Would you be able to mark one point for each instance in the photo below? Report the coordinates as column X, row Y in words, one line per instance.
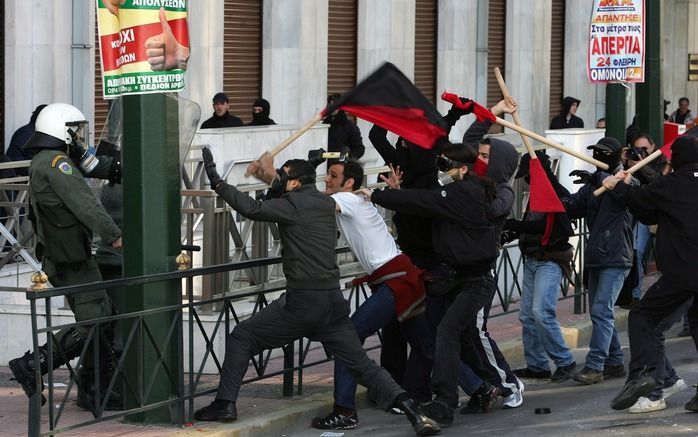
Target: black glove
column 459, row 112
column 507, row 236
column 583, row 175
column 210, row 168
column 315, row 157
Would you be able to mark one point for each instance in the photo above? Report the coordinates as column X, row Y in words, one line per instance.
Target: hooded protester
column 343, row 136
column 567, row 118
column 670, row 203
column 260, row 113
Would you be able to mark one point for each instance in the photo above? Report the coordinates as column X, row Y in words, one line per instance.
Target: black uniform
column 226, row 120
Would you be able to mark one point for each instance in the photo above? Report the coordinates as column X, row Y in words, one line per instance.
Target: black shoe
column 441, row 413
column 692, row 405
column 336, row 420
column 563, row 373
column 617, row 371
column 218, row 410
column 528, row 373
column 482, row 400
column 588, row 376
column 23, row 371
column 421, row 423
column 632, row 391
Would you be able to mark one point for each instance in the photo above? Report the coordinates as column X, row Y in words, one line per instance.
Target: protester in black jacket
column 260, row 113
column 343, row 135
column 463, row 237
column 607, row 262
column 313, row 305
column 670, row 203
column 566, row 118
column 221, row 117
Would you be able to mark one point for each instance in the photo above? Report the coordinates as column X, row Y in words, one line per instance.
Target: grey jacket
column 307, row 228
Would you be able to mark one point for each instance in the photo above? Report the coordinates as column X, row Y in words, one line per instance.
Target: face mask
column 610, row 159
column 480, row 167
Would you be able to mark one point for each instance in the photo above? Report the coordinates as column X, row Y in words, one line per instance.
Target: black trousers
column 659, row 302
column 320, row 315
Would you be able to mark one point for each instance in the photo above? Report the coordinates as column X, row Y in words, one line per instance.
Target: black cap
column 220, row 97
column 607, row 144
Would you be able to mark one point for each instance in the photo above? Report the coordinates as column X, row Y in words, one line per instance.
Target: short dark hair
column 300, row 169
column 460, row 152
column 352, row 169
column 684, row 99
column 640, row 136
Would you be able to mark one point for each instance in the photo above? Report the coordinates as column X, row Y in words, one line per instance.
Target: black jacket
column 344, row 136
column 307, row 228
column 462, row 235
column 672, row 204
column 560, row 121
column 261, row 118
column 228, row 120
column 611, row 238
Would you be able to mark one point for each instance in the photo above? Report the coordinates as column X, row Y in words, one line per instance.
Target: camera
column 635, row 154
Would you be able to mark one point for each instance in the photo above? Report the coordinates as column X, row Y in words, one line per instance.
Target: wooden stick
column 599, row 191
column 551, row 143
column 275, row 151
column 515, row 114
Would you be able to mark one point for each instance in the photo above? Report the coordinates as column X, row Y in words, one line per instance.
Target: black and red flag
column 390, row 100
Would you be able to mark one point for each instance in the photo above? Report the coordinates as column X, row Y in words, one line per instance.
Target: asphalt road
column 576, row 410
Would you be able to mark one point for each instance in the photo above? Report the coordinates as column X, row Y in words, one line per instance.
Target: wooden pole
column 515, row 115
column 599, row 191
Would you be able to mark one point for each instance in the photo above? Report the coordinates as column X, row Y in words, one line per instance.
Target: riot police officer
column 65, row 214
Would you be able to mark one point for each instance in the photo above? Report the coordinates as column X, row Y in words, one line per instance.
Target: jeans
column 375, row 313
column 642, row 239
column 604, row 287
column 542, row 337
column 460, row 318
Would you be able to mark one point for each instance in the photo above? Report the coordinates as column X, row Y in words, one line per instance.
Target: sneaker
column 679, row 386
column 563, row 373
column 692, row 405
column 515, row 399
column 439, row 412
column 588, row 376
column 336, row 420
column 529, row 373
column 646, row 405
column 632, row 391
column 614, row 371
column 482, row 400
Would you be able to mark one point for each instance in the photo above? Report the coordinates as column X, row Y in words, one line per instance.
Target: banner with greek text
column 144, row 46
column 617, row 41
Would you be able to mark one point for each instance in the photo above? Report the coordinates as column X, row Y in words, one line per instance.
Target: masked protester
column 65, row 214
column 260, row 113
column 343, row 135
column 670, row 203
column 608, row 260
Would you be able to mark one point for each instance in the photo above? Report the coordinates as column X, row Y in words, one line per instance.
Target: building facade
column 295, row 52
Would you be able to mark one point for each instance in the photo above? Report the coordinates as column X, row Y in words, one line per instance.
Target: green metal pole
column 650, row 101
column 615, row 111
column 151, row 182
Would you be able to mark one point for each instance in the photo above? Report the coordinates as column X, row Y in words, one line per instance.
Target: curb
column 303, row 410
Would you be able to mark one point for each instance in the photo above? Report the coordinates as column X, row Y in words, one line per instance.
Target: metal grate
column 426, row 25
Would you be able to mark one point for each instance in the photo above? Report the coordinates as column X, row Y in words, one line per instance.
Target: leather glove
column 210, row 167
column 315, row 157
column 583, row 175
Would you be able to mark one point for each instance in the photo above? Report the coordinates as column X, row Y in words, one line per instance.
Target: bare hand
column 164, row 51
column 366, row 193
column 117, row 244
column 505, row 106
column 113, row 6
column 395, row 179
column 262, row 168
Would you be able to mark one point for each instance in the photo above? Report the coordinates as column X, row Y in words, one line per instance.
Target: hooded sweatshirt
column 560, row 121
column 261, row 118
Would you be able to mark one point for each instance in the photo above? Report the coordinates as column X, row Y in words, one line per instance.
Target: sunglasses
column 445, row 164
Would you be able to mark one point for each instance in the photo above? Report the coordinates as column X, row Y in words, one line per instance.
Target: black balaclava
column 684, row 151
column 261, row 118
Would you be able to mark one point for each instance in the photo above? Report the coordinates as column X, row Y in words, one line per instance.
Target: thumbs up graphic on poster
column 113, row 5
column 164, row 52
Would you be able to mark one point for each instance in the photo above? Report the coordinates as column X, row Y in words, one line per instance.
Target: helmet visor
column 80, row 133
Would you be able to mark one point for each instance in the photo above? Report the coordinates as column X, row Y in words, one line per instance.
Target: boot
column 23, row 372
column 108, row 366
column 421, row 424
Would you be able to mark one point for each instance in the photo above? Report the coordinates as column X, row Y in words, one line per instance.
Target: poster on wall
column 617, row 41
column 144, row 46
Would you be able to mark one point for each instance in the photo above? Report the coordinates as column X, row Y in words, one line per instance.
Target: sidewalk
column 261, row 408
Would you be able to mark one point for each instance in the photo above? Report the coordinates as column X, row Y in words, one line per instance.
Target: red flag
column 388, row 98
column 481, row 113
column 543, row 197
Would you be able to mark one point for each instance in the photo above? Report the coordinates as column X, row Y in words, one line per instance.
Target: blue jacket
column 611, row 239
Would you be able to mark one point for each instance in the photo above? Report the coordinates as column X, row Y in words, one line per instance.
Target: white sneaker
column 645, row 405
column 679, row 386
column 515, row 399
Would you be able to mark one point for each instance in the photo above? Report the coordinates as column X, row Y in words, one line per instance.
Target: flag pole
column 515, row 114
column 602, row 189
column 317, row 118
